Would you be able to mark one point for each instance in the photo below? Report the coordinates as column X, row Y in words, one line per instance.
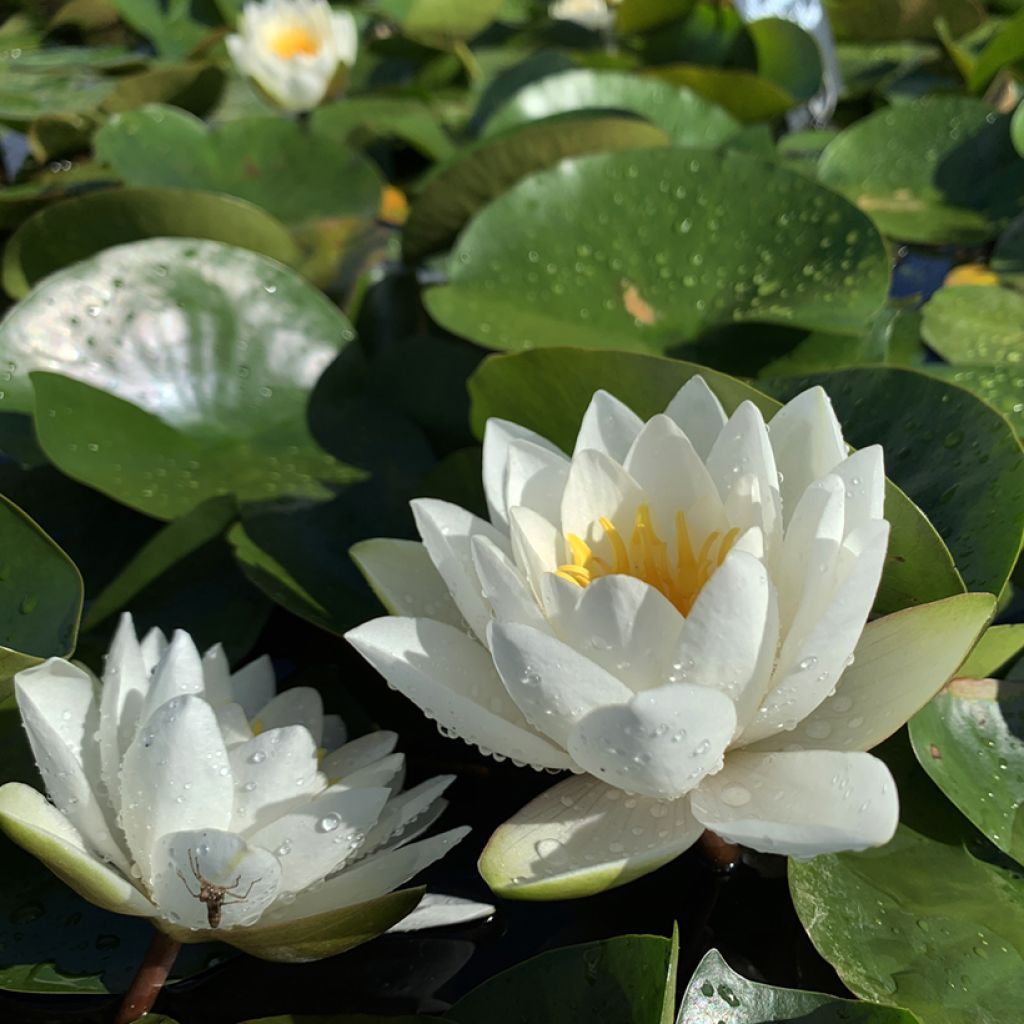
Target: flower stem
column 720, row 853
column 149, row 979
column 468, row 61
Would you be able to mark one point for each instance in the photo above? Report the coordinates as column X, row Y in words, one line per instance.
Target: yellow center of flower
column 646, row 556
column 288, row 41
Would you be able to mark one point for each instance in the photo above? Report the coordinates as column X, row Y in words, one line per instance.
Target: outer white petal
column 598, row 487
column 537, row 545
column 233, row 724
column 661, row 744
column 316, row 837
column 726, row 642
column 358, row 753
column 154, row 643
column 448, row 533
column 438, row 911
column 624, row 625
column 535, row 478
column 301, row 705
column 665, row 464
column 44, row 693
column 498, row 435
column 402, row 811
column 405, row 581
column 37, row 826
column 369, row 878
column 609, row 426
column 175, row 776
column 801, row 803
column 453, row 680
column 179, row 672
column 272, row 773
column 388, row 771
column 863, row 475
column 553, row 684
column 504, row 587
column 699, row 414
column 900, row 663
column 254, row 685
column 346, row 37
column 217, row 677
column 808, row 443
column 581, row 837
column 181, row 858
column 809, row 668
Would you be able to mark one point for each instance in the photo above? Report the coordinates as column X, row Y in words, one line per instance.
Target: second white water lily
column 293, row 49
column 677, row 614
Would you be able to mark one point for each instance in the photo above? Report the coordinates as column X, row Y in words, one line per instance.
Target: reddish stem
column 149, row 979
column 719, row 852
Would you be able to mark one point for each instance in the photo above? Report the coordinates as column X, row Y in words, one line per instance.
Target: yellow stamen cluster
column 289, row 41
column 647, row 557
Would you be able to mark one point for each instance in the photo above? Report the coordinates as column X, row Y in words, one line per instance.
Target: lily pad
column 294, row 174
column 188, row 366
column 900, row 19
column 403, row 117
column 549, row 390
column 686, row 118
column 63, row 233
column 970, row 741
column 953, row 455
column 931, row 921
column 440, row 22
column 940, row 169
column 716, row 994
column 1001, row 386
column 40, row 595
column 998, row 646
column 647, row 249
column 453, row 194
column 976, row 324
column 170, row 25
column 629, row 978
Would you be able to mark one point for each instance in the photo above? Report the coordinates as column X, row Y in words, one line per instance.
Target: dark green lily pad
column 440, row 22
column 406, row 118
column 900, row 19
column 189, row 365
column 172, row 26
column 976, row 324
column 1001, row 386
column 647, row 249
column 940, row 169
column 63, row 233
column 295, row 174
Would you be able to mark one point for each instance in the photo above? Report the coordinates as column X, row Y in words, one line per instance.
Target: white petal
column 498, row 435
column 44, row 693
column 661, row 744
column 38, row 827
column 598, row 487
column 233, row 724
column 272, row 773
column 369, row 878
column 316, row 837
column 183, row 860
column 402, row 811
column 453, row 680
column 724, row 641
column 388, row 771
column 334, row 732
column 581, row 837
column 154, row 643
column 405, row 581
column 358, row 753
column 254, row 685
column 800, row 804
column 345, row 35
column 609, row 426
column 175, row 775
column 301, row 705
column 553, row 684
column 504, row 587
column 698, row 412
column 625, row 626
column 537, row 545
column 900, row 663
column 668, row 469
column 863, row 475
column 535, row 478
column 437, row 911
column 808, row 443
column 809, row 668
column 217, row 677
column 447, row 533
column 179, row 672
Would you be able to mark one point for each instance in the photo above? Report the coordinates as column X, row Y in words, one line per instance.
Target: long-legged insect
column 214, row 897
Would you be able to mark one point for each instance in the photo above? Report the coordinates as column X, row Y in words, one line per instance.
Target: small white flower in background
column 677, row 614
column 596, row 15
column 198, row 798
column 293, row 48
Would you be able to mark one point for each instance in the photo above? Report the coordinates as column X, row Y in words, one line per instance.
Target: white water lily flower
column 293, row 49
column 597, row 15
column 200, row 799
column 677, row 614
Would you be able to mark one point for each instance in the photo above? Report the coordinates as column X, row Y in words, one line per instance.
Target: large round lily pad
column 647, row 249
column 295, row 174
column 178, row 370
column 941, row 169
column 686, row 118
column 1001, row 386
column 976, row 324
